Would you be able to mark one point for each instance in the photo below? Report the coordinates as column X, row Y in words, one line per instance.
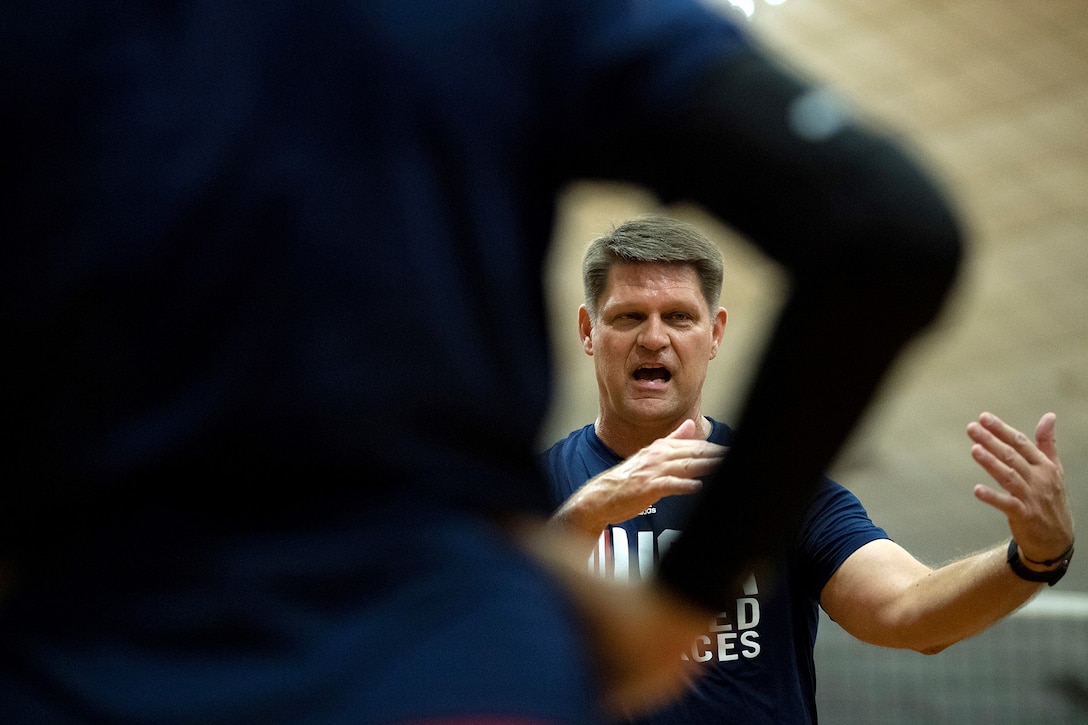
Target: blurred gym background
column 994, row 96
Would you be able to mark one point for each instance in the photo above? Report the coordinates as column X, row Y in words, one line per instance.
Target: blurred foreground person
column 277, row 357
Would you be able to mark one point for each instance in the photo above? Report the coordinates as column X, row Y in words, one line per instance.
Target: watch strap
column 1050, row 577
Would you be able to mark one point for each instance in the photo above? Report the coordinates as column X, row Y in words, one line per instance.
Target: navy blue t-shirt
column 757, row 656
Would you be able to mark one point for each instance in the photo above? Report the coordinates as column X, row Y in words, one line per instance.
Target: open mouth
column 653, row 374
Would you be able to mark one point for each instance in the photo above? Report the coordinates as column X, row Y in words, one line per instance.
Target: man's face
column 651, row 342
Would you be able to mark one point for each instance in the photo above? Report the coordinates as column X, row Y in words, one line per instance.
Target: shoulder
column 833, row 499
column 576, row 440
column 836, row 525
column 573, row 460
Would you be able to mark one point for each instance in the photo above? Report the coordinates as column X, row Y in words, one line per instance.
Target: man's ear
column 718, row 332
column 585, row 330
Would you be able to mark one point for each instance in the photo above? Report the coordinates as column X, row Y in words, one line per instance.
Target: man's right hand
column 669, row 466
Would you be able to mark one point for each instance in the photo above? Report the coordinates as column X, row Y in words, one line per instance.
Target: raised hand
column 1032, row 491
column 667, row 467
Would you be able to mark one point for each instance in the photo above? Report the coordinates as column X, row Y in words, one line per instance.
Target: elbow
column 904, row 632
column 933, row 648
column 902, row 638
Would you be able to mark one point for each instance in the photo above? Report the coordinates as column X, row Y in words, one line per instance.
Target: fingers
column 1019, row 446
column 669, row 466
column 1004, row 502
column 666, row 465
column 1031, row 475
column 1044, row 436
column 674, row 448
column 671, row 477
column 687, row 429
column 1007, row 454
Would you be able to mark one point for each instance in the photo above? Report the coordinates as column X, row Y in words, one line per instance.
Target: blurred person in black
column 302, row 243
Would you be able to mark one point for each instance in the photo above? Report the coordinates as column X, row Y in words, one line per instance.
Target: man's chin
column 651, row 411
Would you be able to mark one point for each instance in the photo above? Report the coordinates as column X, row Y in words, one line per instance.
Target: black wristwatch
column 1051, row 577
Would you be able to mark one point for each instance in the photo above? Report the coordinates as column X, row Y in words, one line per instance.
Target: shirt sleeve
column 837, row 525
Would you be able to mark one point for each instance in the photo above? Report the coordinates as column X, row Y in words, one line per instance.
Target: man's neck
column 626, row 440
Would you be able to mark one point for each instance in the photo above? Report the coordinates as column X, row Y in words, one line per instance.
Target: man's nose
column 654, row 334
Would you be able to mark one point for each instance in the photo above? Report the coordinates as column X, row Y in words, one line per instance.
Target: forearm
column 950, row 604
column 578, row 517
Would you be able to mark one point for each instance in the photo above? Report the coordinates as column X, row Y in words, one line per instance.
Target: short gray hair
column 652, row 239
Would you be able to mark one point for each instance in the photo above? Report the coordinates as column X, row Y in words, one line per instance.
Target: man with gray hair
column 652, row 323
